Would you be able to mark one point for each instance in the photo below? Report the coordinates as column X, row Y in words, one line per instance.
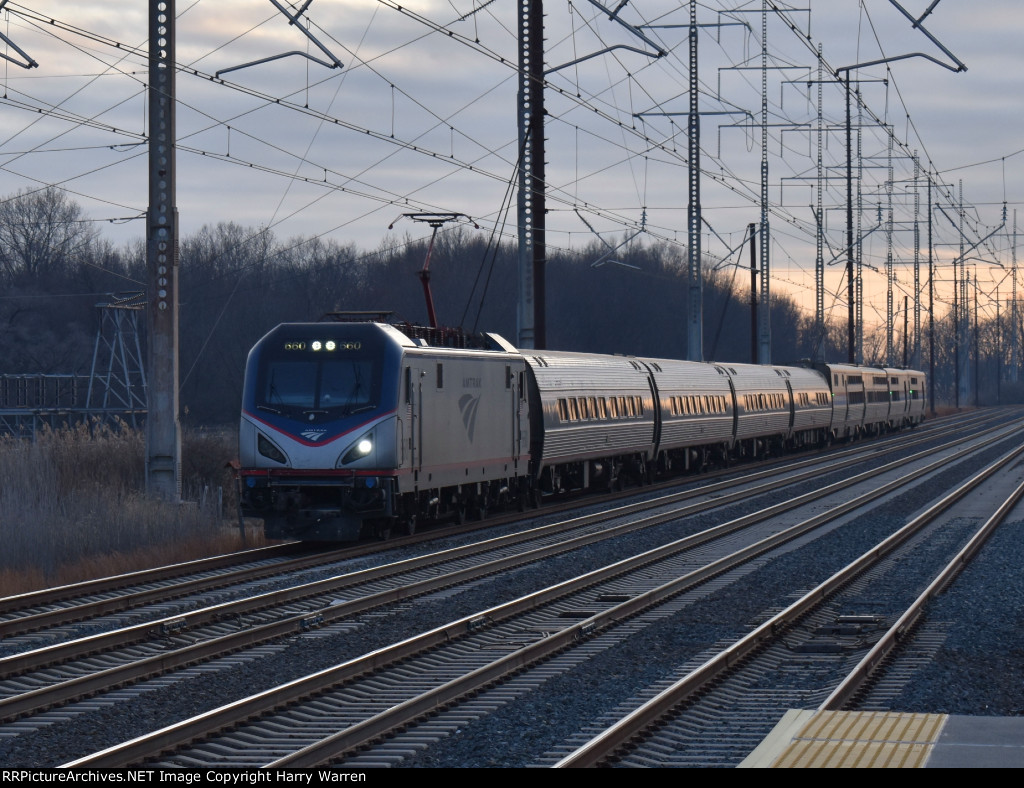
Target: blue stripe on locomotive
column 331, row 422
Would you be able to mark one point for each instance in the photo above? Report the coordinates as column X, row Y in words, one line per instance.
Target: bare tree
column 42, row 232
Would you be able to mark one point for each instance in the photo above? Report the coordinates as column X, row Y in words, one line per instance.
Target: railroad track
column 485, row 630
column 672, row 727
column 156, row 647
column 151, row 590
column 147, row 594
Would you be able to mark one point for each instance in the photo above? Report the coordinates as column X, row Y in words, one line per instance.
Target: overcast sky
column 421, row 117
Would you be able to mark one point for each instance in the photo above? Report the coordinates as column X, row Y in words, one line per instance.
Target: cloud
column 420, row 119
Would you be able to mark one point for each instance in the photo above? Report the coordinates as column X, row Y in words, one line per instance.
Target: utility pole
column 163, row 431
column 959, row 66
column 931, row 305
column 977, row 356
column 532, row 211
column 916, row 356
column 694, row 218
column 1013, row 305
column 851, row 335
column 819, row 258
column 695, row 331
column 906, row 333
column 858, row 291
column 889, row 271
column 752, row 228
column 764, row 353
column 999, row 354
column 960, row 309
column 532, row 241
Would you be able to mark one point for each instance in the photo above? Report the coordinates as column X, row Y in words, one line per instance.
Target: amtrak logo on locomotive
column 313, row 435
column 467, row 406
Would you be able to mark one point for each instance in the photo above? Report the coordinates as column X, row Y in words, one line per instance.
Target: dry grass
column 72, row 507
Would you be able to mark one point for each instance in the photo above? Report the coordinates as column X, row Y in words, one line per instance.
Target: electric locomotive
column 348, row 429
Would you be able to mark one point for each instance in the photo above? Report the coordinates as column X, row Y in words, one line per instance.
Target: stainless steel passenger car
column 594, row 419
column 870, row 400
column 812, row 407
column 849, row 404
column 764, row 401
column 697, row 413
column 908, row 397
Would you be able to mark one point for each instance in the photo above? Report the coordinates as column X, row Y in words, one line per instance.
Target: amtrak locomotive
column 355, row 429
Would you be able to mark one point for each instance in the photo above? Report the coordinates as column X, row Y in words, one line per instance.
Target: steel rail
column 79, row 612
column 17, row 664
column 46, row 596
column 900, row 631
column 226, row 716
column 72, row 689
column 403, row 714
column 603, row 746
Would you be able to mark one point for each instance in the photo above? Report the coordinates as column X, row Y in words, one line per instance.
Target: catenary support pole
column 163, row 431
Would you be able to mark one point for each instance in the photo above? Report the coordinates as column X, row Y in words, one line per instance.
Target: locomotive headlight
column 330, row 345
column 316, row 345
column 361, row 448
column 270, row 451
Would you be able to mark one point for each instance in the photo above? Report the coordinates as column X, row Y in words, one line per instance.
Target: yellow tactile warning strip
column 843, row 739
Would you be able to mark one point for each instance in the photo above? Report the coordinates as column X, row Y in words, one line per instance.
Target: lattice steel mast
column 916, row 358
column 1014, row 328
column 819, row 258
column 889, row 270
column 764, row 329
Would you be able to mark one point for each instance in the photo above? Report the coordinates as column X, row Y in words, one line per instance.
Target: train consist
column 355, row 429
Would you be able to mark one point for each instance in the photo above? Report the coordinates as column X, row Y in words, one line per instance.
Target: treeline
column 238, row 282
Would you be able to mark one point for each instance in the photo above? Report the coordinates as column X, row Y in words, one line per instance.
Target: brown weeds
column 73, row 507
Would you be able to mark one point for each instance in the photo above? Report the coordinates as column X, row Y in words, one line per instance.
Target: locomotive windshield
column 314, row 379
